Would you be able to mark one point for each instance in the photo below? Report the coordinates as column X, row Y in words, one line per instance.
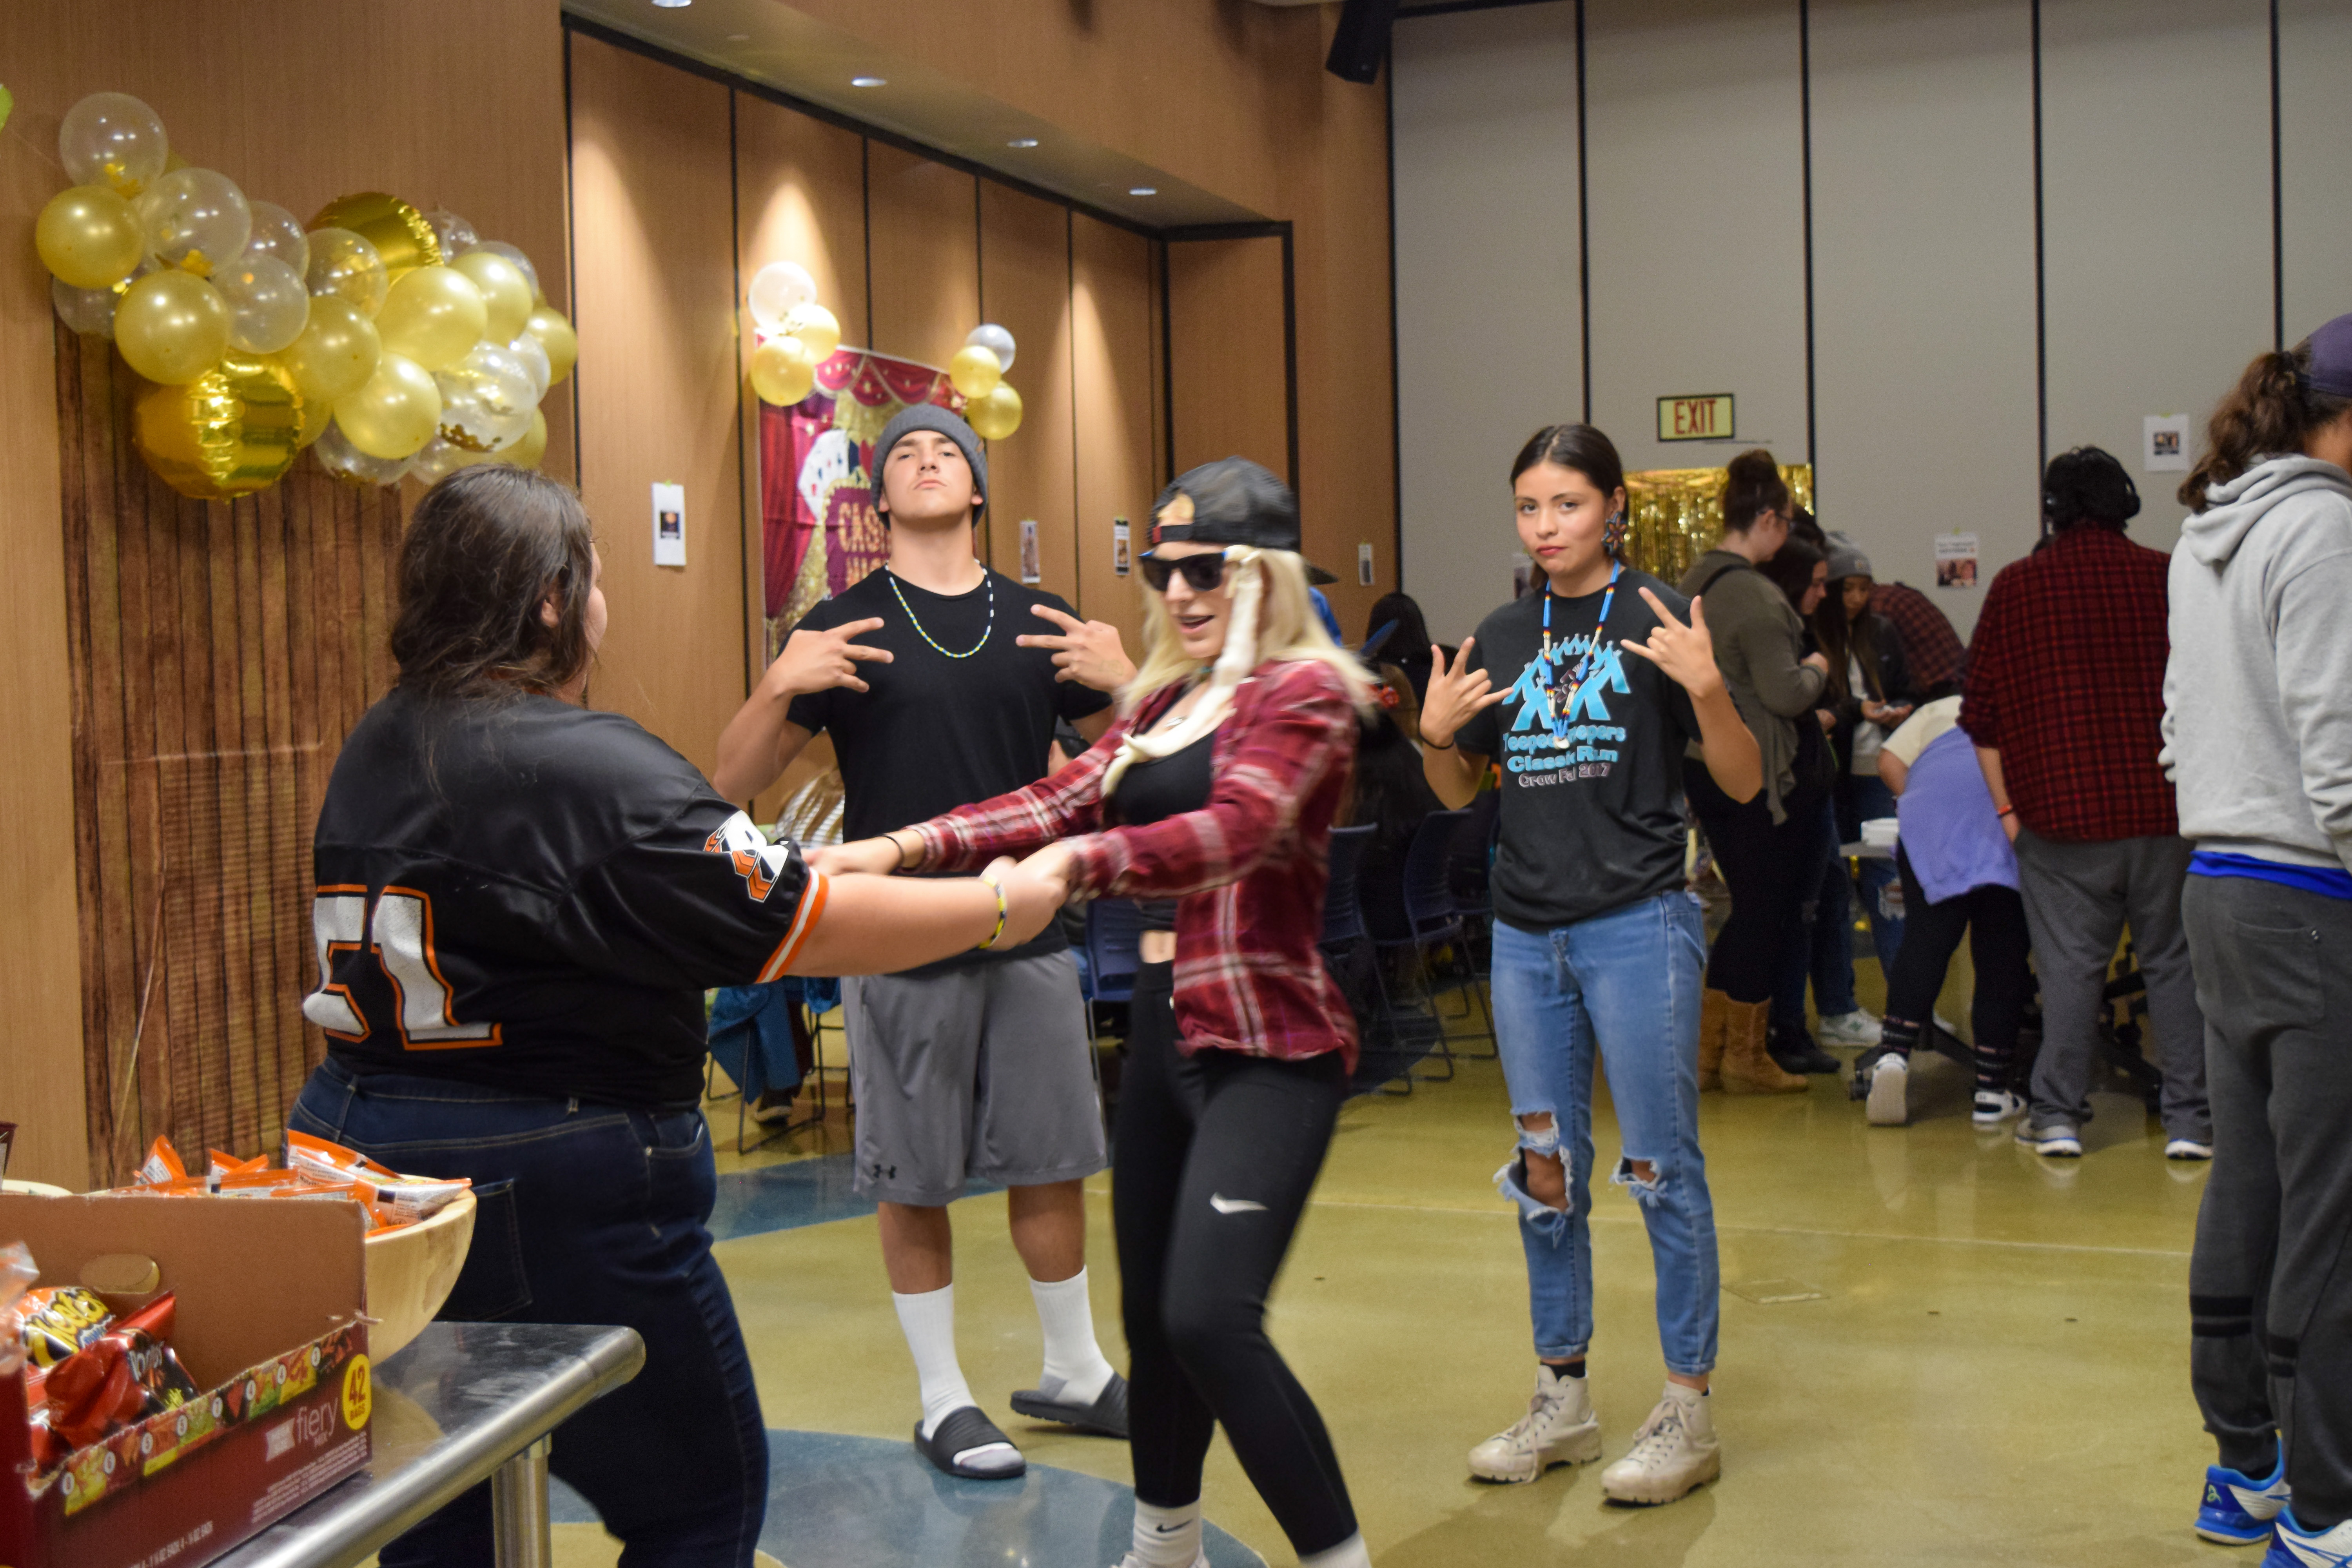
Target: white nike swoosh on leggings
column 1235, row 1206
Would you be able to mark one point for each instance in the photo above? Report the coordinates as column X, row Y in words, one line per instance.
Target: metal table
column 463, row 1403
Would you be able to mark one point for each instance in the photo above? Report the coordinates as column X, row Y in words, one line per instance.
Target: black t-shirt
column 934, row 733
column 1596, row 824
column 534, row 897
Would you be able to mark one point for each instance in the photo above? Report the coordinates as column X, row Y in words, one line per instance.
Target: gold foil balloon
column 817, row 328
column 775, row 289
column 433, row 315
column 268, row 304
column 231, row 431
column 487, row 399
column 348, row 266
column 172, row 326
column 278, row 233
column 996, row 416
column 336, row 353
column 354, row 466
column 113, row 140
column 996, row 340
column 88, row 237
column 529, row 452
column 89, row 312
column 523, row 262
column 555, row 335
column 975, row 371
column 454, row 233
column 782, row 373
column 396, row 413
column 398, row 231
column 534, row 358
column 196, row 219
column 506, row 292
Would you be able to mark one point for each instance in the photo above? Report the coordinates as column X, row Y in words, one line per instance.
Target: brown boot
column 1714, row 1014
column 1748, row 1068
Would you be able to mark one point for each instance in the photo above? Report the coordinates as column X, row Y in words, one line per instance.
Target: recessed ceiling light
column 869, row 81
column 1143, row 190
column 1023, row 143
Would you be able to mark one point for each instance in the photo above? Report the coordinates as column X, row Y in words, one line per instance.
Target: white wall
column 1489, row 301
column 2316, row 143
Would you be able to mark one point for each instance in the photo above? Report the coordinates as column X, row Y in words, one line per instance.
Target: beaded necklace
column 1558, row 712
column 984, row 631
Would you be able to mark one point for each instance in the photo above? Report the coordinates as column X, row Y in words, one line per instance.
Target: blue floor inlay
column 838, row 1501
column 797, row 1192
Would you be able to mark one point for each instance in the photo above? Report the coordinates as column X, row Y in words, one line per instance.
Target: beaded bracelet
column 1002, row 910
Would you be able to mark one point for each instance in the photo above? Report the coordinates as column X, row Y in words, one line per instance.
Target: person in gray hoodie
column 2258, row 741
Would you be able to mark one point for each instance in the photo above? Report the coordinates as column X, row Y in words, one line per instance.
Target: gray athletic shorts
column 982, row 1072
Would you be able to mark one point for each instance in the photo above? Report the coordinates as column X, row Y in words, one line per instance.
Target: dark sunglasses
column 1201, row 572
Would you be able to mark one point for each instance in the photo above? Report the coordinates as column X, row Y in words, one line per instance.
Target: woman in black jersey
column 520, row 903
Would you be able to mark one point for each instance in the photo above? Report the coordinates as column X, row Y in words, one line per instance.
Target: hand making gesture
column 1455, row 692
column 1684, row 652
column 820, row 661
column 1087, row 652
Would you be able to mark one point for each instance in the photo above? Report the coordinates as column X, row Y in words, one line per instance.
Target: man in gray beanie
column 979, row 1067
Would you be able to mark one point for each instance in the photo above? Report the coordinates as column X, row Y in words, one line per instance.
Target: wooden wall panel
column 924, row 237
column 1114, row 343
column 1024, row 286
column 652, row 181
column 1226, row 344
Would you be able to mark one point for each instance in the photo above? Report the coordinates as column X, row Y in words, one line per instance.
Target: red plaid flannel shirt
column 1931, row 650
column 2066, row 679
column 1248, row 870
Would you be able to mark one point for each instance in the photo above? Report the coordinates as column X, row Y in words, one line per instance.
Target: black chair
column 1434, row 920
column 1347, row 941
column 1112, row 953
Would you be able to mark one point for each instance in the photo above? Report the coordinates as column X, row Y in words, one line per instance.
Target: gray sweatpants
column 2270, row 1285
column 2078, row 895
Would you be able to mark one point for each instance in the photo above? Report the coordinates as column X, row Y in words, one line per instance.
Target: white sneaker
column 1890, row 1080
column 1132, row 1561
column 2187, row 1149
column 1559, row 1428
column 1996, row 1106
column 1854, row 1028
column 1674, row 1453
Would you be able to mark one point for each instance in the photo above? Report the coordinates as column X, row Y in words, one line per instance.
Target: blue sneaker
column 2293, row 1547
column 2238, row 1509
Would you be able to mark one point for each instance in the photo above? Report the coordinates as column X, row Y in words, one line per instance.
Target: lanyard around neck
column 1557, row 715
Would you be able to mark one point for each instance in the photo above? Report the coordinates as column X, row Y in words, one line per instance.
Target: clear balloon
column 506, row 292
column 268, row 304
column 534, row 358
column 88, row 236
column 172, row 326
column 996, row 340
column 394, row 413
column 996, row 416
column 556, row 336
column 975, row 371
column 487, row 399
column 111, row 139
column 89, row 312
column 439, row 459
column 454, row 232
column 782, row 372
column 433, row 315
column 354, row 466
column 514, row 254
column 817, row 328
column 196, row 219
column 531, row 449
column 775, row 289
column 350, row 267
column 336, row 353
column 278, row 233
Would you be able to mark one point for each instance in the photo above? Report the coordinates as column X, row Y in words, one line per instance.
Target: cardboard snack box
column 271, row 1325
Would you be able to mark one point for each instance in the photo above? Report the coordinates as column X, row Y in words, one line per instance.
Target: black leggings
column 1773, row 871
column 1213, row 1161
column 1994, row 922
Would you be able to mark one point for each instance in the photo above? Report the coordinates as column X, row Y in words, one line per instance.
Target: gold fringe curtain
column 1676, row 514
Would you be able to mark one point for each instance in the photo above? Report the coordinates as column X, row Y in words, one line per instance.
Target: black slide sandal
column 1105, row 1417
column 960, row 1432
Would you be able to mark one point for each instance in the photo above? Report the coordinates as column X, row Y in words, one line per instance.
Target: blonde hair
column 1286, row 629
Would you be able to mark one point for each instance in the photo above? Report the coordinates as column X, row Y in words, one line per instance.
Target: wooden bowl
column 411, row 1271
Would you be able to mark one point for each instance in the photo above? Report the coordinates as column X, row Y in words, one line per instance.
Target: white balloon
column 348, row 463
column 995, row 339
column 776, row 288
column 278, row 233
column 268, row 306
column 487, row 399
column 534, row 358
column 89, row 312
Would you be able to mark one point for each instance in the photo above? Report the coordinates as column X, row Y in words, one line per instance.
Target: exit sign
column 1704, row 418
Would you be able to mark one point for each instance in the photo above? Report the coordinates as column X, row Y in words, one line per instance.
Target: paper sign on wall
column 1363, row 565
column 1955, row 560
column 1120, row 534
column 1031, row 571
column 2164, row 444
column 669, row 525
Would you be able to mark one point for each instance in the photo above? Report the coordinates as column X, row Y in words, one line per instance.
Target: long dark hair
column 1583, row 449
column 1752, row 486
column 2270, row 411
column 1406, row 646
column 1840, row 638
column 1791, row 570
column 484, row 550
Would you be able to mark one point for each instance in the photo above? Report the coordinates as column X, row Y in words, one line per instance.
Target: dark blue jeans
column 589, row 1214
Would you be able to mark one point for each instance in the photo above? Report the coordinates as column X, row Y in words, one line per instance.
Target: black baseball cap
column 1234, row 501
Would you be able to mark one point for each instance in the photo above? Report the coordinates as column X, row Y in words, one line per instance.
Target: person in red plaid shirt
column 2065, row 704
column 1931, row 650
column 1216, row 787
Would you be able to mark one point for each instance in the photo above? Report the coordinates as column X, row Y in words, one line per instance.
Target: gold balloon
column 996, row 416
column 336, row 353
column 506, row 293
column 434, row 315
column 394, row 413
column 172, row 327
column 555, row 335
column 231, row 431
column 782, row 373
column 88, row 237
column 817, row 328
column 316, row 414
column 528, row 452
column 399, row 232
column 975, row 371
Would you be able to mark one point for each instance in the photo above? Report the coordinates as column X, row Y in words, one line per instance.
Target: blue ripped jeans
column 1626, row 982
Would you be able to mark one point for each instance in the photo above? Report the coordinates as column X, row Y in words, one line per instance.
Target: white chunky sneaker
column 1559, row 1428
column 1200, row 1560
column 1674, row 1453
column 1995, row 1106
column 1854, row 1028
column 1890, row 1083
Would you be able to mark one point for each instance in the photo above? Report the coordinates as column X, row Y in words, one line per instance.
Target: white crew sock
column 1348, row 1553
column 1075, row 1372
column 1167, row 1537
column 929, row 1321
